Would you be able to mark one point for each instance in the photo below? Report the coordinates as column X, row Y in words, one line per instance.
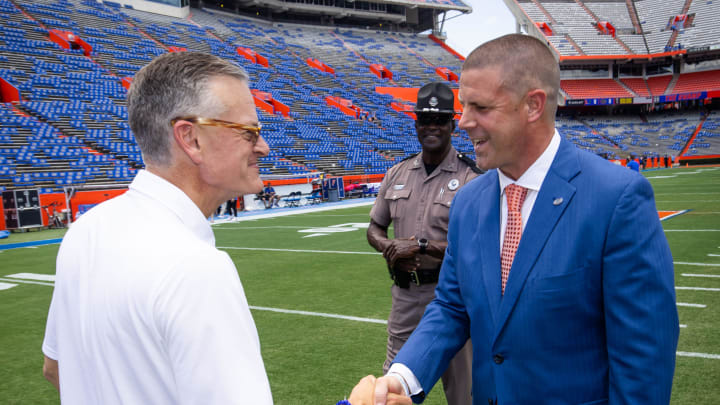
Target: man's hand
column 401, row 249
column 366, row 389
column 389, row 391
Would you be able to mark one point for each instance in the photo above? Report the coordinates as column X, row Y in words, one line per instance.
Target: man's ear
column 536, row 100
column 185, row 137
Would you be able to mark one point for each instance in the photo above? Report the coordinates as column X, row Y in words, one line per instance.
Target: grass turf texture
column 315, row 360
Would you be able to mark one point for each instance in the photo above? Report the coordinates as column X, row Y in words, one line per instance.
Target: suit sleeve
column 444, row 327
column 639, row 301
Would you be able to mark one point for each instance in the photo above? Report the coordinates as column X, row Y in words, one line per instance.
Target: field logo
column 664, row 215
column 324, row 231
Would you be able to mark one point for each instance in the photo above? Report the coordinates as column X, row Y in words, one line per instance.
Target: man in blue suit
column 567, row 292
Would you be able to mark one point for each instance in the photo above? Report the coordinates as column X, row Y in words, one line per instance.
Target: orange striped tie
column 515, row 196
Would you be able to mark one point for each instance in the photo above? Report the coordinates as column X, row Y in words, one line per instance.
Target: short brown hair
column 526, row 62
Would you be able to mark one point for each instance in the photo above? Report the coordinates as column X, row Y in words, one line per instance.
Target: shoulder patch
column 465, row 159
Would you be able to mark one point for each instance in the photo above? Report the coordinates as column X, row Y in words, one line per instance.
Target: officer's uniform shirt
column 418, row 204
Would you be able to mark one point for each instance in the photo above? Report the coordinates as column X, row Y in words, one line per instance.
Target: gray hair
column 526, row 62
column 172, row 85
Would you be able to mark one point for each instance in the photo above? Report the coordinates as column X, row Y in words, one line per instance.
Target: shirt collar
column 174, row 199
column 534, row 176
column 448, row 163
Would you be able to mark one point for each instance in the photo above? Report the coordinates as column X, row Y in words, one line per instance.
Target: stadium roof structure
column 397, row 15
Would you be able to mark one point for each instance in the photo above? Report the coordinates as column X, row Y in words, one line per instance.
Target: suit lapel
column 487, row 238
column 555, row 195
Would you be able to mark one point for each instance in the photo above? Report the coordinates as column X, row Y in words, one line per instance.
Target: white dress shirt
column 146, row 310
column 532, row 179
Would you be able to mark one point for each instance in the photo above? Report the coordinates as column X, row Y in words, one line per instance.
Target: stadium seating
column 70, row 126
column 594, row 88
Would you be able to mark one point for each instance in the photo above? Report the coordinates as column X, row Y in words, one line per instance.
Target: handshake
column 379, row 391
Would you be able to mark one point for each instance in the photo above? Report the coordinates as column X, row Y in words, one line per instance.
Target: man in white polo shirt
column 145, row 309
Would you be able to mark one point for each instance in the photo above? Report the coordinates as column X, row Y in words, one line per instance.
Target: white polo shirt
column 147, row 311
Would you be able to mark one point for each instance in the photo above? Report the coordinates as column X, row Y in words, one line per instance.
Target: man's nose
column 261, row 147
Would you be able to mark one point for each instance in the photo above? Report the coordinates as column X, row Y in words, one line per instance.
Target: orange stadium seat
column 698, row 81
column 638, row 85
column 594, row 88
column 659, row 84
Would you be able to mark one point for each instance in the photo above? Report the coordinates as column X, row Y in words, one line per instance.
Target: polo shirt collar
column 175, row 200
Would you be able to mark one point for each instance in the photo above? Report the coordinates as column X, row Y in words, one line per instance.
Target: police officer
column 415, row 196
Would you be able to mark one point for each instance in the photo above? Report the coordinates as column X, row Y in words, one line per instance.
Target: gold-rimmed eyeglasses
column 249, row 132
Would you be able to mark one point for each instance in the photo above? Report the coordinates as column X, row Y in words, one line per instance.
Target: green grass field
column 317, row 360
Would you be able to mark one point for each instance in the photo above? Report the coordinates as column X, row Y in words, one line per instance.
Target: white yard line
column 320, row 314
column 698, row 264
column 685, row 304
column 283, row 212
column 701, row 275
column 697, row 288
column 301, row 250
column 701, row 355
column 692, row 230
column 14, row 280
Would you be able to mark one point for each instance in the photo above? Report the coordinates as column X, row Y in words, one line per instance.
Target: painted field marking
column 664, row 215
column 700, row 275
column 328, row 230
column 682, row 325
column 685, row 304
column 701, row 355
column 713, row 255
column 28, row 244
column 6, row 286
column 301, row 250
column 691, row 230
column 697, row 288
column 33, row 276
column 242, row 228
column 14, row 280
column 715, row 192
column 320, row 314
column 698, row 264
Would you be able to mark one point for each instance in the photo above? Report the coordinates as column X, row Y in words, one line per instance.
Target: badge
column 433, row 101
column 398, row 186
column 453, row 184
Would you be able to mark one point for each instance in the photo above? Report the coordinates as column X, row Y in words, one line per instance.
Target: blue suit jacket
column 589, row 313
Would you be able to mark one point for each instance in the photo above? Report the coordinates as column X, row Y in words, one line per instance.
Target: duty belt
column 403, row 279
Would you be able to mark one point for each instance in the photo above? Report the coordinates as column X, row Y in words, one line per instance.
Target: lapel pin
column 557, row 201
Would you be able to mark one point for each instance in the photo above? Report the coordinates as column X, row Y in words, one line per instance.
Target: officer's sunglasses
column 433, row 119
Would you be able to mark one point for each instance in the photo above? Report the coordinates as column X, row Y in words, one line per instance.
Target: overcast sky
column 489, row 19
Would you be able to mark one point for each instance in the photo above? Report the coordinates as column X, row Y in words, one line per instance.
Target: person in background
column 232, row 207
column 633, row 165
column 271, row 197
column 556, row 266
column 415, row 196
column 145, row 309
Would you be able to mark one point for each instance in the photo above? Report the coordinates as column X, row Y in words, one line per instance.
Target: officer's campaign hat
column 435, row 97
